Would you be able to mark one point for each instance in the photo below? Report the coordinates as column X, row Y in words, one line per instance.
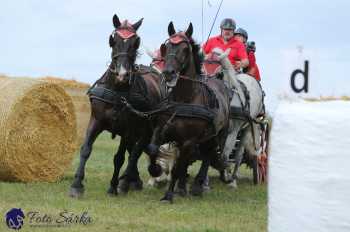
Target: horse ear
column 111, row 41
column 137, row 24
column 171, row 29
column 189, row 31
column 116, row 21
column 162, row 50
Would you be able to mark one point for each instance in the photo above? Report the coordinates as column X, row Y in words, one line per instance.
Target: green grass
column 221, row 209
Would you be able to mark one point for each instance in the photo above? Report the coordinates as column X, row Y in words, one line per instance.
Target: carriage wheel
column 262, row 168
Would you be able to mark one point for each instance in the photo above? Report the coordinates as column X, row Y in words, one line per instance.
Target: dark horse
column 196, row 115
column 123, row 83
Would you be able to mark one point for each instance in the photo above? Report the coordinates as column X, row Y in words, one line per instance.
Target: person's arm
column 251, row 58
column 252, row 71
column 242, row 55
column 244, row 63
column 207, row 47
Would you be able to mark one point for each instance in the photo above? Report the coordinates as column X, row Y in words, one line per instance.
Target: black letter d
column 305, row 74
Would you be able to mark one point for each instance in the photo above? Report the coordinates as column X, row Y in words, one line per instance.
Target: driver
column 238, row 55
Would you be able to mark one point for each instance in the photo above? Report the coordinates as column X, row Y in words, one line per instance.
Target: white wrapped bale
column 309, row 181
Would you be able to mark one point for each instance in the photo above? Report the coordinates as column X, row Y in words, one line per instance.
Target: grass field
column 221, row 209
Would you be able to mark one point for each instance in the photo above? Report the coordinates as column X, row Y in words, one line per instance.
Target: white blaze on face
column 122, row 71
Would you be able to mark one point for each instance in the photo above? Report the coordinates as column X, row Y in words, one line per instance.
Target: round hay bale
column 77, row 91
column 65, row 83
column 37, row 130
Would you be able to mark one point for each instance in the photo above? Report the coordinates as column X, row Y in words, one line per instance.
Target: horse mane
column 197, row 58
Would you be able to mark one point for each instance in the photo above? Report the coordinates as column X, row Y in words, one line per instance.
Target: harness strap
column 106, row 95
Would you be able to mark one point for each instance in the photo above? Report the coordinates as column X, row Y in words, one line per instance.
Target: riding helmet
column 228, row 24
column 241, row 31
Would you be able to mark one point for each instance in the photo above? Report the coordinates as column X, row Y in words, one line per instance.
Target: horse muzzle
column 121, row 78
column 171, row 80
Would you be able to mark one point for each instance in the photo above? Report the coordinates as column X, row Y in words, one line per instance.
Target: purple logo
column 14, row 218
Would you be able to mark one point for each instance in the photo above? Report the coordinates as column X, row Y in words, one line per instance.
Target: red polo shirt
column 253, row 69
column 238, row 51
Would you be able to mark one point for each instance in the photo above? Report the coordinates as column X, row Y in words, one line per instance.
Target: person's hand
column 238, row 65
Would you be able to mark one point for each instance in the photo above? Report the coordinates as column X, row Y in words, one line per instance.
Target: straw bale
column 66, row 83
column 327, row 98
column 77, row 91
column 37, row 130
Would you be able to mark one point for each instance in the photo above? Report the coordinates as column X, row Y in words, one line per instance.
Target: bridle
column 125, row 33
column 177, row 39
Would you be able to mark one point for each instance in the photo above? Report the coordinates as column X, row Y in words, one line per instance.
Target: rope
column 214, row 20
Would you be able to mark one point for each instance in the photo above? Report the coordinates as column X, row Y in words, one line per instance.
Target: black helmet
column 251, row 46
column 228, row 24
column 241, row 31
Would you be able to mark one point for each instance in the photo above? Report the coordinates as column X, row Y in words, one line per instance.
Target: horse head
column 124, row 43
column 181, row 55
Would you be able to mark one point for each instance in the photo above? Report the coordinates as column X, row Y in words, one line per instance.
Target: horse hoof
column 151, row 182
column 76, row 192
column 206, row 188
column 165, row 201
column 233, row 185
column 136, row 185
column 182, row 192
column 112, row 192
column 168, row 198
column 123, row 186
column 225, row 177
column 197, row 190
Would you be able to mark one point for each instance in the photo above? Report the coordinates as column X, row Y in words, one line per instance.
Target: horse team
column 148, row 106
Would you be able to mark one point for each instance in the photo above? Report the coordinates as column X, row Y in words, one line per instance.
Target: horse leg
column 169, row 195
column 251, row 148
column 94, row 129
column 238, row 160
column 118, row 162
column 223, row 164
column 182, row 184
column 179, row 170
column 228, row 147
column 131, row 174
column 154, row 169
column 197, row 188
column 193, row 151
column 230, row 141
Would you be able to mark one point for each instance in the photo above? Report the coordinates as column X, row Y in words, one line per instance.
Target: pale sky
column 69, row 38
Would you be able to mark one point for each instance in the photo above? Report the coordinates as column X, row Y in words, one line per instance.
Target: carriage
column 212, row 68
column 191, row 108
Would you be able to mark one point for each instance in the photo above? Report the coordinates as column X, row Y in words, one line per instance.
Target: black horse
column 122, row 84
column 197, row 114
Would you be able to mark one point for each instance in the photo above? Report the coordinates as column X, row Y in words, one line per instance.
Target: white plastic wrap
column 309, row 167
